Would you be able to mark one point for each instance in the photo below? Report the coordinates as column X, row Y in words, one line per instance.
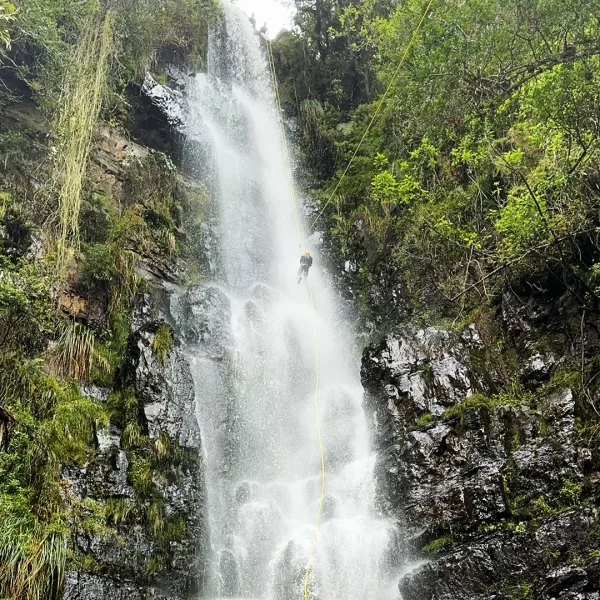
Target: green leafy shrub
column 54, row 427
column 27, row 317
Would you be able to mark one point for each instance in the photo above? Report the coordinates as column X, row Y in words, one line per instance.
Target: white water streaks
column 254, row 366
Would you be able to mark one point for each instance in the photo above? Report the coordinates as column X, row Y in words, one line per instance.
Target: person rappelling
column 253, row 21
column 306, row 261
column 264, row 30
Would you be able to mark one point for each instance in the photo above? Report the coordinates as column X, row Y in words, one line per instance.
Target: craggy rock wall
column 495, row 489
column 159, row 523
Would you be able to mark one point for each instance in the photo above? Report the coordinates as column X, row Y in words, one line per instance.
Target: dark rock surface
column 124, row 559
column 495, row 479
column 503, row 565
column 205, row 317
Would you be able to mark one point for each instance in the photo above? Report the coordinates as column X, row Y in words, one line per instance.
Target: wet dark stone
column 205, row 319
column 165, row 392
column 488, row 464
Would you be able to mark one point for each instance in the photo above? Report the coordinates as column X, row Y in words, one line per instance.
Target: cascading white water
column 255, row 398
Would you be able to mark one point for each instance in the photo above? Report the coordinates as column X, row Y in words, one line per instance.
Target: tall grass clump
column 75, row 353
column 32, row 558
column 80, row 105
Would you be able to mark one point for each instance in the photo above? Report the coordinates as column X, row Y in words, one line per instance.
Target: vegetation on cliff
column 69, row 254
column 482, row 168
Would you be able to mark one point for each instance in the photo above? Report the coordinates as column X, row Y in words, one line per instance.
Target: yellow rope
column 314, row 317
column 378, row 110
column 321, row 449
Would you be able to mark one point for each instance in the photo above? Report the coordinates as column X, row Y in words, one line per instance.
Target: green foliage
column 503, row 525
column 140, row 474
column 515, row 397
column 570, row 492
column 520, row 591
column 26, row 311
column 108, row 272
column 54, row 427
column 33, row 556
column 481, row 166
column 79, row 109
column 75, row 354
column 123, row 407
column 150, row 30
column 7, row 15
column 47, row 29
column 438, row 545
column 145, row 31
column 424, row 420
column 118, row 509
column 163, row 342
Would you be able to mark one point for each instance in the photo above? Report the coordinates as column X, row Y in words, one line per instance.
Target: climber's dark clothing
column 306, row 262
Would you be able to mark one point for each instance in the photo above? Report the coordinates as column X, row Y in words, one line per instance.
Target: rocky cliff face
column 496, row 489
column 138, row 506
column 151, row 482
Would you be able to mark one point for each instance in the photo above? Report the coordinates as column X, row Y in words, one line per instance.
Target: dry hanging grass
column 74, row 354
column 80, row 106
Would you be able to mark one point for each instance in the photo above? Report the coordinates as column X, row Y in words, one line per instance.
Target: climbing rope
column 377, row 110
column 299, row 236
column 313, row 545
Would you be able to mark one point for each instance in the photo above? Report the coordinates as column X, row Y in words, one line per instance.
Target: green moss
column 52, row 416
column 473, row 402
column 424, row 420
column 117, row 510
column 437, row 545
column 163, row 342
column 140, row 474
column 511, row 525
column 520, row 591
column 123, row 407
column 515, row 397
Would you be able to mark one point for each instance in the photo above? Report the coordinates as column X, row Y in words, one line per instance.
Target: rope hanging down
column 314, row 317
column 299, row 235
column 377, row 110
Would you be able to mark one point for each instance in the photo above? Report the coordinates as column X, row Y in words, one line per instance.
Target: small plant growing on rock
column 437, row 545
column 163, row 342
column 424, row 420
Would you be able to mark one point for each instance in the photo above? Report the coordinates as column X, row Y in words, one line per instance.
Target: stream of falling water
column 255, row 394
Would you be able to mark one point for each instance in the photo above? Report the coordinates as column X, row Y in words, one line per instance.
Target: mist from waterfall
column 255, row 383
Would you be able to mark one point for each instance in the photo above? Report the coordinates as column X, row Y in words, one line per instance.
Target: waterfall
column 254, row 364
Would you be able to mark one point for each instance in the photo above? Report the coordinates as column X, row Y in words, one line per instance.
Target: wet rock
column 167, row 390
column 490, row 568
column 88, row 586
column 417, row 372
column 442, row 479
column 168, row 101
column 164, row 391
column 537, row 369
column 206, row 319
column 476, row 468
